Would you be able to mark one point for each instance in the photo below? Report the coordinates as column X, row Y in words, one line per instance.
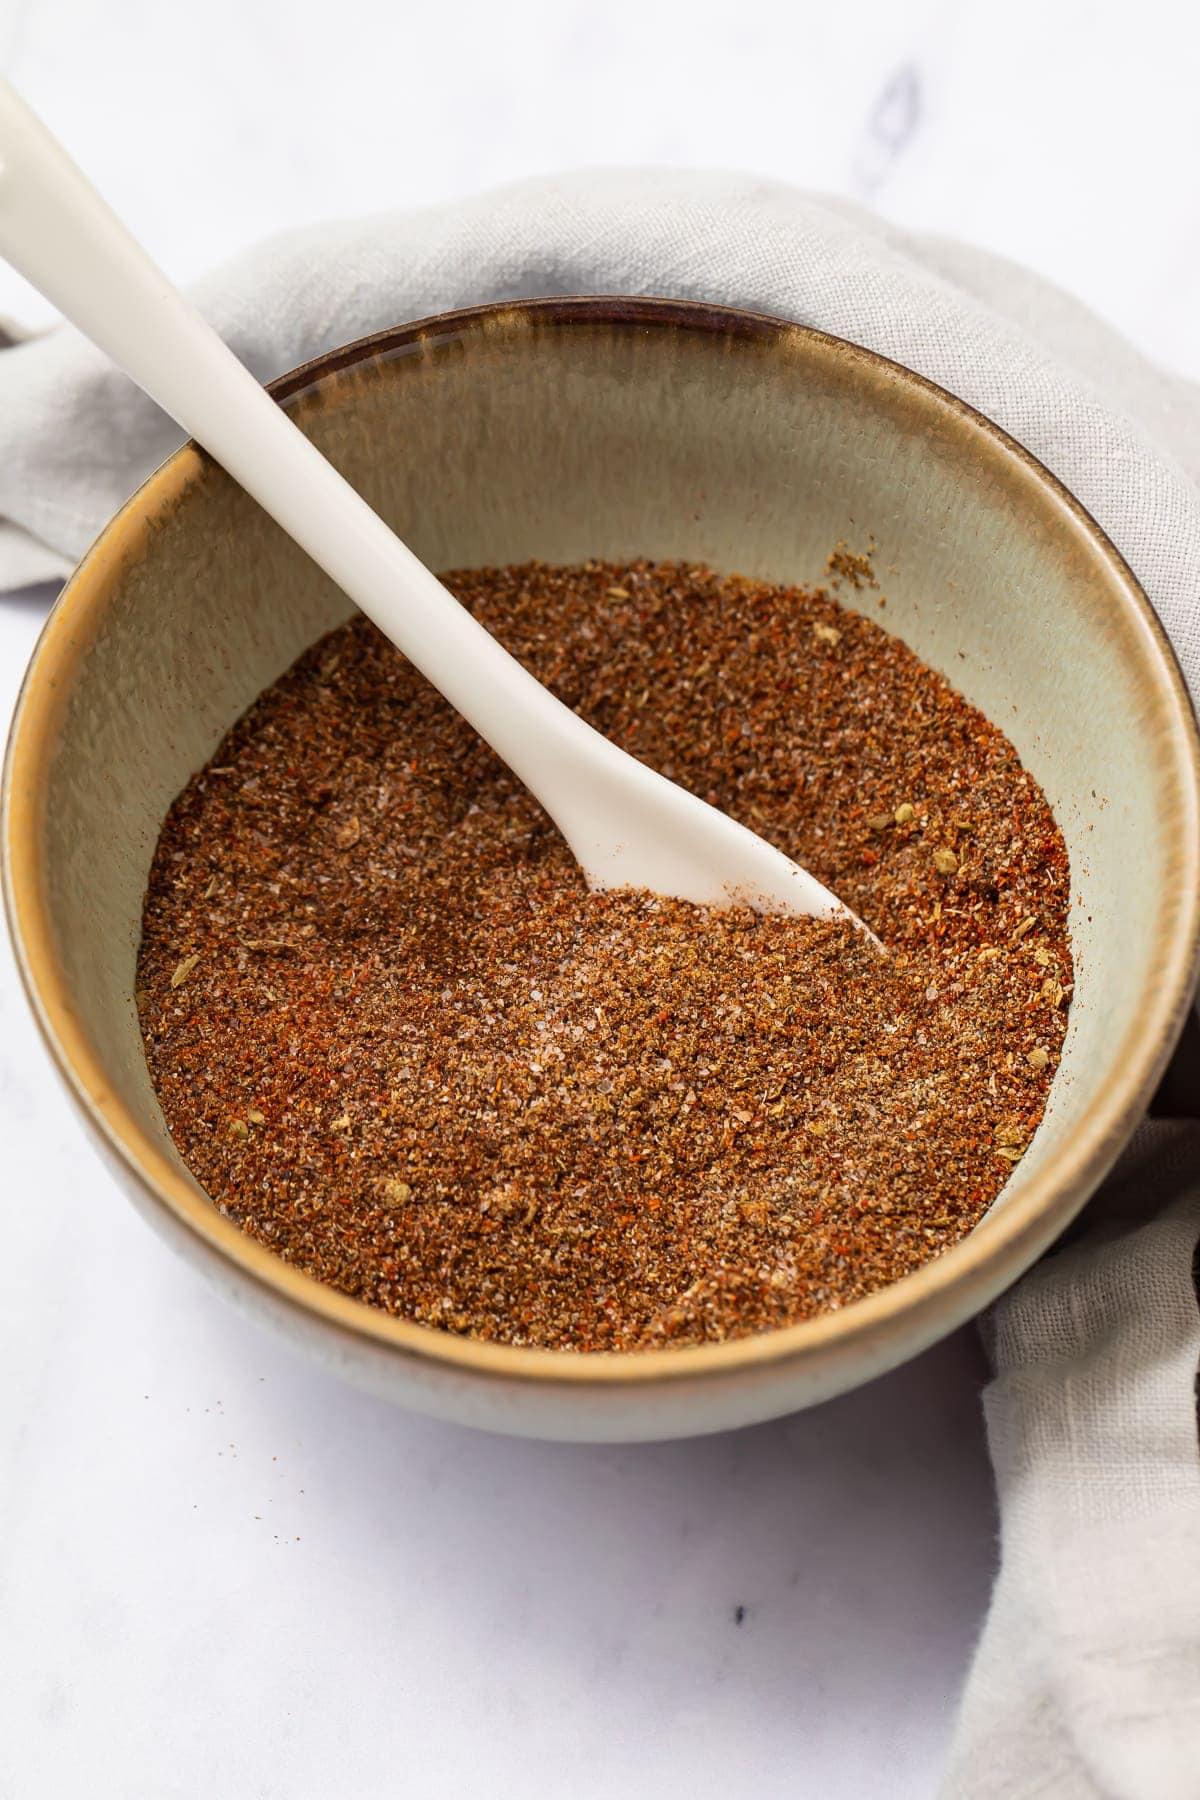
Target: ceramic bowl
column 617, row 428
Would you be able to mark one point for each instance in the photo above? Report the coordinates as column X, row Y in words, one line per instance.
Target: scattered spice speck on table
column 396, row 1039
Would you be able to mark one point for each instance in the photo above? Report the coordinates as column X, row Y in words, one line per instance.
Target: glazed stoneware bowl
column 564, row 430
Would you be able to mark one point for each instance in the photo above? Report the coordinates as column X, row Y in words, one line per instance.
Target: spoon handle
column 59, row 233
column 626, row 824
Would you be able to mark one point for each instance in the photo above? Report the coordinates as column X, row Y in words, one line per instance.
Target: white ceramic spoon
column 627, row 826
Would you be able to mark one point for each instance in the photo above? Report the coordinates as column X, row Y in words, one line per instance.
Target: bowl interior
column 564, row 432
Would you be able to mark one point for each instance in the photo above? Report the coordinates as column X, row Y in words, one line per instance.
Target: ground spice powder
column 401, row 1045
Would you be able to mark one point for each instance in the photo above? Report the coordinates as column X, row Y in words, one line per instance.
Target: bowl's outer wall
column 524, row 434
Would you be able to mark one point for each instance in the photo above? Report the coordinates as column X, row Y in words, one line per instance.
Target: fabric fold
column 76, row 437
column 1087, row 1677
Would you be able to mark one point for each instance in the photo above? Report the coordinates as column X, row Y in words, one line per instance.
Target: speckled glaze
column 616, row 428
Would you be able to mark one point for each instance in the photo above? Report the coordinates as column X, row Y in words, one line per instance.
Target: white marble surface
column 1066, row 136
column 224, row 1574
column 221, row 1574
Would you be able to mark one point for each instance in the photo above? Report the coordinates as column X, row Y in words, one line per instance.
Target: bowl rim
column 926, row 1303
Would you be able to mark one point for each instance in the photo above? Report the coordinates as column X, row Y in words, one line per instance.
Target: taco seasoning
column 401, row 1045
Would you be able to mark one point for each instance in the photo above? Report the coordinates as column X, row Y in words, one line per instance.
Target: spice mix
column 400, row 1044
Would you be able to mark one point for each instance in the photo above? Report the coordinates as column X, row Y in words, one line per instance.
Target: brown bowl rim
column 928, row 1302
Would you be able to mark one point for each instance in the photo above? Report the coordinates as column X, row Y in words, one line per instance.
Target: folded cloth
column 76, row 437
column 1087, row 1678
